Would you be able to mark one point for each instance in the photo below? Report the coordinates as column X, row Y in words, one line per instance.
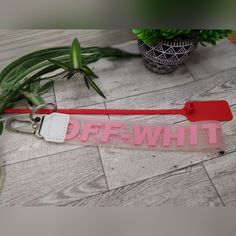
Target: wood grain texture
column 210, row 60
column 54, row 180
column 124, row 167
column 187, row 187
column 118, row 79
column 16, row 43
column 220, row 86
column 222, row 172
column 20, row 147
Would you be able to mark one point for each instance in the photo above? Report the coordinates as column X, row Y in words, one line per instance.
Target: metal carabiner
column 30, row 128
column 33, row 124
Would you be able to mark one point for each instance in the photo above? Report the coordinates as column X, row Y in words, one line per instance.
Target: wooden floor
column 40, row 173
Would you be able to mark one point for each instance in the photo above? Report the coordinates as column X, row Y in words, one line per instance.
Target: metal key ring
column 34, row 110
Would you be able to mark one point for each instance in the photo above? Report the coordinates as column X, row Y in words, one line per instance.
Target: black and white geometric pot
column 166, row 56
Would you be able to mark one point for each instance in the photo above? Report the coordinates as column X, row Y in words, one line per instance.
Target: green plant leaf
column 89, row 72
column 70, row 75
column 75, row 55
column 24, row 76
column 154, row 36
column 86, row 82
column 34, row 87
column 46, row 87
column 35, row 99
column 40, row 55
column 12, row 95
column 59, row 63
column 94, row 86
column 89, row 54
column 65, row 76
column 25, row 71
column 19, row 74
column 34, row 72
column 42, row 72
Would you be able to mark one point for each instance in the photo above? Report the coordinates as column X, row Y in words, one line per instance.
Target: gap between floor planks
column 161, row 177
column 157, row 191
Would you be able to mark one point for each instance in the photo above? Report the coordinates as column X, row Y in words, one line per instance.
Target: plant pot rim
column 173, row 42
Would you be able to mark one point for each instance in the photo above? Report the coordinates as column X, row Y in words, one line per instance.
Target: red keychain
column 59, row 126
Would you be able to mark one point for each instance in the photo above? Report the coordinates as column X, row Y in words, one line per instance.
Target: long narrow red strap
column 78, row 111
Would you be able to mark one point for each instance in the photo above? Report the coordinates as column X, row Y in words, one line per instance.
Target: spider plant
column 27, row 77
column 77, row 67
column 24, row 79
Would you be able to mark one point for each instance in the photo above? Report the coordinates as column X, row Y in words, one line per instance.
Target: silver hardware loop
column 34, row 110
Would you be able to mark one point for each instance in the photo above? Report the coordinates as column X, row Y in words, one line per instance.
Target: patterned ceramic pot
column 166, row 56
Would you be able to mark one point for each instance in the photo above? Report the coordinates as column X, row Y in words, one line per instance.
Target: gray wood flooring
column 40, row 173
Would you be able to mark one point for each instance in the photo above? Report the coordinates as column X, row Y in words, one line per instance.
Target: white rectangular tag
column 54, row 127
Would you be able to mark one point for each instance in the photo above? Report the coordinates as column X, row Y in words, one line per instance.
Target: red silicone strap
column 78, row 111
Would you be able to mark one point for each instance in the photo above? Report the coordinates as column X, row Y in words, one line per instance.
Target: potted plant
column 164, row 50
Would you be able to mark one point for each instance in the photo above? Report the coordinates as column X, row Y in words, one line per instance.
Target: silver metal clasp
column 23, row 125
column 29, row 124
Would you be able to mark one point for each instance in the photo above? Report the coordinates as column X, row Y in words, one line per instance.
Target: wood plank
column 118, row 79
column 54, row 180
column 187, row 187
column 16, row 43
column 124, row 167
column 20, row 147
column 218, row 87
column 229, row 129
column 210, row 60
column 222, row 172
